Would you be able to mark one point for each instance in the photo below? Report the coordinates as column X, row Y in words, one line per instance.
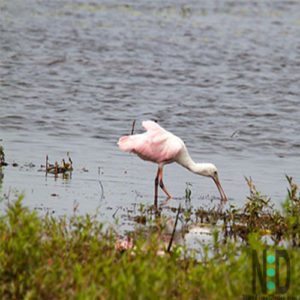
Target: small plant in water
column 64, row 168
column 292, row 211
column 188, row 191
column 2, row 157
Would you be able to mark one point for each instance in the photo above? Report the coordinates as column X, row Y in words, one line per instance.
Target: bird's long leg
column 156, row 187
column 161, row 182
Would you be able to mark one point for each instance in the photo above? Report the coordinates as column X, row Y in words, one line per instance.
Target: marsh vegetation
column 79, row 257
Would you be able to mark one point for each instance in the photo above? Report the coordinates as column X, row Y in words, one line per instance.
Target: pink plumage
column 156, row 144
column 126, row 143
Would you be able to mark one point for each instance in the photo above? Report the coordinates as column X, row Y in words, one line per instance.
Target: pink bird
column 162, row 147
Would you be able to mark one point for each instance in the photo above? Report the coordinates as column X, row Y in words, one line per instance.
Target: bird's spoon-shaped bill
column 221, row 191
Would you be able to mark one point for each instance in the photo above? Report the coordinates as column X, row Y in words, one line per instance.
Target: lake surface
column 223, row 75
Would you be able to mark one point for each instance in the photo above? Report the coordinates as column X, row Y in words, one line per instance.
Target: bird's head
column 210, row 170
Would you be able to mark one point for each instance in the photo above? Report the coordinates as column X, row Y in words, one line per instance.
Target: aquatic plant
column 292, row 213
column 2, row 157
column 78, row 257
column 65, row 167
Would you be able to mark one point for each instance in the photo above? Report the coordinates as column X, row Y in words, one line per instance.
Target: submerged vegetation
column 79, row 257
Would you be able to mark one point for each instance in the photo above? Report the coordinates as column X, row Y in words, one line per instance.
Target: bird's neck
column 186, row 161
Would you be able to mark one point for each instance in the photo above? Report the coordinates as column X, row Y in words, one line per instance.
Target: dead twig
column 174, row 229
column 102, row 190
column 115, row 212
column 132, row 128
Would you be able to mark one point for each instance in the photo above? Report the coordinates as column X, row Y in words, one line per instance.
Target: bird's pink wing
column 156, row 144
column 152, row 126
column 136, row 143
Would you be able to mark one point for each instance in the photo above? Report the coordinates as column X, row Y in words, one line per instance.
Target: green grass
column 75, row 257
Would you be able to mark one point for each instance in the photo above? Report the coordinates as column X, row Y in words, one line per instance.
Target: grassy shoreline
column 77, row 257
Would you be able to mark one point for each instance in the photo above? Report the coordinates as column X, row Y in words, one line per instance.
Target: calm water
column 222, row 75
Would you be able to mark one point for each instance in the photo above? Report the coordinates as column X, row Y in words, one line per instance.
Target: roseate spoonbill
column 162, row 147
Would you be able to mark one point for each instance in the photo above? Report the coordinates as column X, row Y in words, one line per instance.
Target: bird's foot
column 220, row 207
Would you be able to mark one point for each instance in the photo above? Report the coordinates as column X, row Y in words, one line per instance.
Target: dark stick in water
column 174, row 229
column 133, row 124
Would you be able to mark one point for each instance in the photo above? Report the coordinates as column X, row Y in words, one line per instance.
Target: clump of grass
column 77, row 257
column 2, row 157
column 292, row 213
column 42, row 257
column 258, row 215
column 64, row 168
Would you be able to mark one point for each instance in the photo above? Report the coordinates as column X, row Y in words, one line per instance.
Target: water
column 222, row 75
